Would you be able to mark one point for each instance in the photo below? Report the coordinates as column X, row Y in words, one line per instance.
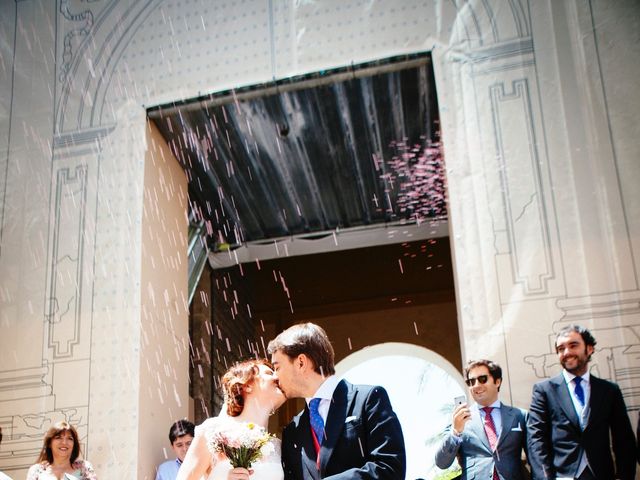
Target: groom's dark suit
column 363, row 439
column 555, row 436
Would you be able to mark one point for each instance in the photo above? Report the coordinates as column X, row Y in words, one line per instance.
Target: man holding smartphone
column 489, row 437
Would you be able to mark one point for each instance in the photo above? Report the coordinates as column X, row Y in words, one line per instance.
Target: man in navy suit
column 489, row 437
column 577, row 420
column 345, row 431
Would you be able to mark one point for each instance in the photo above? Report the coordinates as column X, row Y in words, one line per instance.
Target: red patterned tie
column 492, row 435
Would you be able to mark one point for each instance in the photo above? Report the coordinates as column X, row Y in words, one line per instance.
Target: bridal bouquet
column 241, row 443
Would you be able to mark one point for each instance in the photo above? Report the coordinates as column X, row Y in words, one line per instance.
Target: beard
column 579, row 363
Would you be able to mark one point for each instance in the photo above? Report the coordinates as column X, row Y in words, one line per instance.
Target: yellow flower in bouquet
column 241, row 444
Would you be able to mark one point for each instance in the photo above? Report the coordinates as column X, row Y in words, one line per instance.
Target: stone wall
column 539, row 110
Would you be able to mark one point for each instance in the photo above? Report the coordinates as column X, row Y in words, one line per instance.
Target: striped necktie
column 492, row 434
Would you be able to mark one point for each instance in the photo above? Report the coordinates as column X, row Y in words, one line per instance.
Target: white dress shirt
column 496, row 414
column 325, row 394
column 582, row 411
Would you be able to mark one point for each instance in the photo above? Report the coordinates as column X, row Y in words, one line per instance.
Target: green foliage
column 242, row 456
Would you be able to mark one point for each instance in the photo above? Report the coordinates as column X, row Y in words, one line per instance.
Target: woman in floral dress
column 58, row 459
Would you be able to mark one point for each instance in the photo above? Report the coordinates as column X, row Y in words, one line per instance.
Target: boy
column 180, row 435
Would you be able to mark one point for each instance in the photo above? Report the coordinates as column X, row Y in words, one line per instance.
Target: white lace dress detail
column 267, row 467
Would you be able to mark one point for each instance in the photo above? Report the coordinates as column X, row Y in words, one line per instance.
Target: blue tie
column 579, row 391
column 316, row 419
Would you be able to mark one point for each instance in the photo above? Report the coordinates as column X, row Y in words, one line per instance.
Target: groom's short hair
column 310, row 339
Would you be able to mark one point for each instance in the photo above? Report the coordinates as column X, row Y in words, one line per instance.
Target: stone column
column 29, row 360
column 602, row 290
column 540, row 236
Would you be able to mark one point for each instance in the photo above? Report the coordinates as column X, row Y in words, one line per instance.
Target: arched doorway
column 421, row 385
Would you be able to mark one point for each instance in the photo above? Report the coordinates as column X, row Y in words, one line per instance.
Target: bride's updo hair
column 235, row 382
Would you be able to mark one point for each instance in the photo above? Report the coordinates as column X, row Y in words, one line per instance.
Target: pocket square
column 350, row 419
column 517, row 429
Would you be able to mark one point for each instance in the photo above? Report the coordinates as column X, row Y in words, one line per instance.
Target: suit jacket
column 555, row 436
column 474, row 453
column 363, row 439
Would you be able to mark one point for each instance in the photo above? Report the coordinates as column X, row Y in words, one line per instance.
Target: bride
column 251, row 394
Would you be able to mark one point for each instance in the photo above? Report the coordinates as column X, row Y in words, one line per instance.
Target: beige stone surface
column 538, row 105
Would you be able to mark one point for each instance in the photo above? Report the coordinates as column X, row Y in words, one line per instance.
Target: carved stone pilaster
column 602, row 287
column 93, row 36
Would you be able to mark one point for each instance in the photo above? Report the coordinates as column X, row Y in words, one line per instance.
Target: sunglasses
column 481, row 379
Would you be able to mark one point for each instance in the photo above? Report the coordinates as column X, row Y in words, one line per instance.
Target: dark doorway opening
column 318, row 198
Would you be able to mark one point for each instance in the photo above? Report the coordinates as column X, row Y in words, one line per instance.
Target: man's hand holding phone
column 461, row 415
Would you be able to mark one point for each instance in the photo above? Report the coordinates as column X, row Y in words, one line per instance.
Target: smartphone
column 457, row 401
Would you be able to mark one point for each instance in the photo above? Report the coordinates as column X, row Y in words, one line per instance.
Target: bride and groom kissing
column 345, row 431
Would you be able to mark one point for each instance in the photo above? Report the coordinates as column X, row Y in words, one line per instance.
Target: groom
column 345, row 431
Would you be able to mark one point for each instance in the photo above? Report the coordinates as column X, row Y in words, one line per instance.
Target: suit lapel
column 342, row 398
column 308, row 451
column 595, row 398
column 508, row 416
column 564, row 400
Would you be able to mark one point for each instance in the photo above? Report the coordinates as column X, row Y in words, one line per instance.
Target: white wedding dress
column 267, row 467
